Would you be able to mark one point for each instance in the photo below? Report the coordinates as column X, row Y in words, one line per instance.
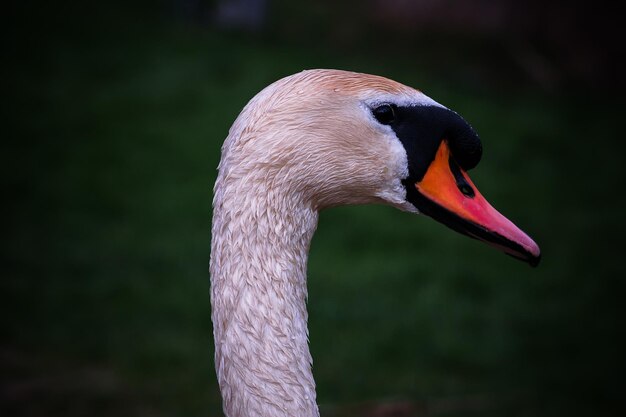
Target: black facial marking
column 422, row 128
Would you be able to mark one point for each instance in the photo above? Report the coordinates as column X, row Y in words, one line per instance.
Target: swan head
column 329, row 137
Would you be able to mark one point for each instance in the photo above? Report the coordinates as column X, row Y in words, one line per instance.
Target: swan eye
column 385, row 114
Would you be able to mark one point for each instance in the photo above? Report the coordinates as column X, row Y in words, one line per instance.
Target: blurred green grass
column 106, row 288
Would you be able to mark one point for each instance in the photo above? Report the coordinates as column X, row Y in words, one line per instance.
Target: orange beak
column 447, row 194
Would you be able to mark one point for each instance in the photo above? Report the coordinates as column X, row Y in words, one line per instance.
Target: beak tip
column 533, row 253
column 530, row 258
column 534, row 260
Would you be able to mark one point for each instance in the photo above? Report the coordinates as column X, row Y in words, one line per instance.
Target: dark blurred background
column 113, row 119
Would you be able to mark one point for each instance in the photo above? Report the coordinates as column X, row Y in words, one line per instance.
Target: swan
column 313, row 140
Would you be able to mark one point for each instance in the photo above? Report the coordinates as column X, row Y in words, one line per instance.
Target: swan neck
column 259, row 254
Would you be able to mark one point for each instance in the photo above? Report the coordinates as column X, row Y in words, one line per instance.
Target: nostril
column 461, row 182
column 466, row 189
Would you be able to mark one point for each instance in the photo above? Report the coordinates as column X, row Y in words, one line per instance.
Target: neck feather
column 260, row 243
